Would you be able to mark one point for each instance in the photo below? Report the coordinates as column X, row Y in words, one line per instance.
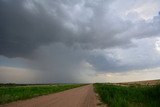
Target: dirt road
column 78, row 97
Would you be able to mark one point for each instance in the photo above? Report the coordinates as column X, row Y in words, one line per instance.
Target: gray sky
column 45, row 41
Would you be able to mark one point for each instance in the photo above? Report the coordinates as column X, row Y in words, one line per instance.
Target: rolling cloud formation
column 74, row 40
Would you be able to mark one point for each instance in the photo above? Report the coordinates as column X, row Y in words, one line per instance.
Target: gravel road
column 78, row 97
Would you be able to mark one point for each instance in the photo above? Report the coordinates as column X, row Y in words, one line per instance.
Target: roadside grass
column 14, row 93
column 129, row 96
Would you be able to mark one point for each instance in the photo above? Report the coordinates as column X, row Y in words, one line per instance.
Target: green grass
column 14, row 93
column 131, row 96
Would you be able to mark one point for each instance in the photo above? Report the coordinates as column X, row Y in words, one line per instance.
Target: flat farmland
column 132, row 94
column 83, row 96
column 146, row 82
column 14, row 92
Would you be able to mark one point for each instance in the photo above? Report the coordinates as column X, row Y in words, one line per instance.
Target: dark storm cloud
column 22, row 31
column 26, row 25
column 103, row 63
column 60, row 37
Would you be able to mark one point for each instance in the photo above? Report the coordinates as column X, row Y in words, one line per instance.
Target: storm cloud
column 72, row 41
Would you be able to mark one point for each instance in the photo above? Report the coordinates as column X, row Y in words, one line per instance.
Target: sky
column 79, row 41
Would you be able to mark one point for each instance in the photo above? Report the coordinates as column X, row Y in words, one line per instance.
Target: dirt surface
column 78, row 97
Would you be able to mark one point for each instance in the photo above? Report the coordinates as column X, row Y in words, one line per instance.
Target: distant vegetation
column 129, row 96
column 13, row 92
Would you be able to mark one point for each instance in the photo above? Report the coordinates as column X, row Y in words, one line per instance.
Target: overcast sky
column 47, row 41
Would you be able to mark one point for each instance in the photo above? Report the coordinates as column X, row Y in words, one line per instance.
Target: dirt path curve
column 78, row 97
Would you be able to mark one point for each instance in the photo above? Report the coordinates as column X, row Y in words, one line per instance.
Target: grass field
column 13, row 92
column 129, row 96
